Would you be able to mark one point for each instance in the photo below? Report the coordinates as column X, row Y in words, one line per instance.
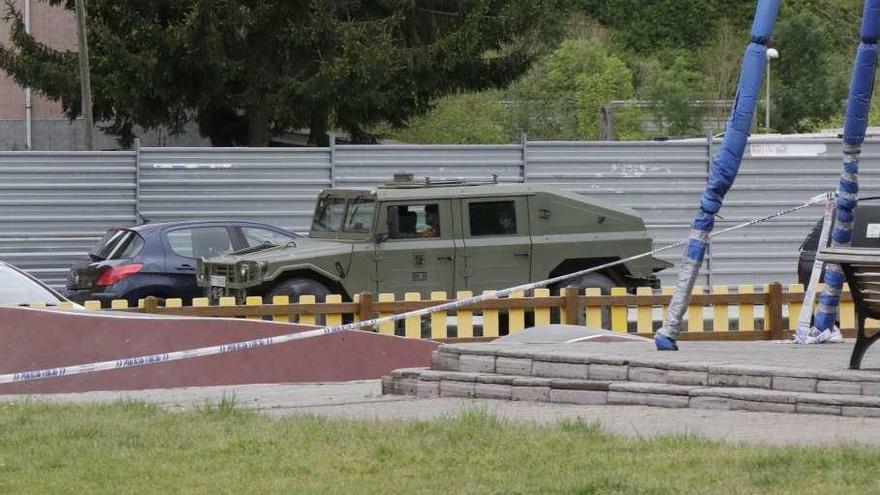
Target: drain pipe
column 28, row 106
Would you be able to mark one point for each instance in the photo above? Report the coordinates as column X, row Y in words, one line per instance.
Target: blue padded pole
column 857, row 108
column 724, row 169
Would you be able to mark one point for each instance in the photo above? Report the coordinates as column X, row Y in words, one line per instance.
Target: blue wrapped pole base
column 664, row 343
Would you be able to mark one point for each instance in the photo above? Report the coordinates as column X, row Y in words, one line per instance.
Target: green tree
column 674, row 94
column 648, row 26
column 809, row 80
column 470, row 118
column 562, row 97
column 611, row 80
column 246, row 70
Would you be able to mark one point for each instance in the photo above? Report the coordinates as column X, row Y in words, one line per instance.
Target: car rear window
column 119, row 244
column 107, row 243
column 18, row 288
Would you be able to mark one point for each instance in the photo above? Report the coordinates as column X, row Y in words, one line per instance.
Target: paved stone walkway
column 362, row 401
column 825, row 357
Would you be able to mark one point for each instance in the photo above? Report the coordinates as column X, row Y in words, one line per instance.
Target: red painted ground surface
column 34, row 339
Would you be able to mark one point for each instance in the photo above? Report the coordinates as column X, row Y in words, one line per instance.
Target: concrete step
column 427, row 383
column 594, row 366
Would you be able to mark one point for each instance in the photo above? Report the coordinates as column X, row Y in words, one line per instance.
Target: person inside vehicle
column 432, row 219
column 506, row 222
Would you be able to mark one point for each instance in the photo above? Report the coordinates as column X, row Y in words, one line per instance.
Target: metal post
column 709, row 156
column 332, row 145
column 85, row 83
column 525, row 157
column 138, row 218
column 767, row 109
column 770, row 54
column 28, row 98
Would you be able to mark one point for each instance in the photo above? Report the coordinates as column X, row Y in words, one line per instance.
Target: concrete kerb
column 618, row 374
column 689, row 373
column 753, row 395
column 578, row 391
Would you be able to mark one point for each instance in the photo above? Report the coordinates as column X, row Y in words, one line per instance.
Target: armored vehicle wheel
column 296, row 287
column 596, row 280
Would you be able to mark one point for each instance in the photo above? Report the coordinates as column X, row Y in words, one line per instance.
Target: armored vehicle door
column 418, row 250
column 497, row 243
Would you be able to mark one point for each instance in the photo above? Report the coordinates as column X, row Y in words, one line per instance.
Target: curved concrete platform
column 753, row 376
column 33, row 339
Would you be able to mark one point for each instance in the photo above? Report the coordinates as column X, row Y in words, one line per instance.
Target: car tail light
column 116, row 273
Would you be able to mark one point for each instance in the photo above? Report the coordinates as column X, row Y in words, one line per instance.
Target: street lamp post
column 85, row 80
column 771, row 54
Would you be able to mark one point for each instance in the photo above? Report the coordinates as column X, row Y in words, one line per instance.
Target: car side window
column 414, row 221
column 492, row 218
column 200, row 242
column 255, row 236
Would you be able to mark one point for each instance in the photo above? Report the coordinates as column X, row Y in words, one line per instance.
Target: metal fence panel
column 661, row 180
column 366, row 166
column 54, row 206
column 274, row 185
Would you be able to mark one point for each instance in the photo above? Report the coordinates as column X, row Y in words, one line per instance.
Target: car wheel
column 596, row 280
column 296, row 287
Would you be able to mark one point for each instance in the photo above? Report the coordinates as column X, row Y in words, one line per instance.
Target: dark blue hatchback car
column 160, row 259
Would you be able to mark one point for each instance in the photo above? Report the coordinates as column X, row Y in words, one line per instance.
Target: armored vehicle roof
column 407, row 188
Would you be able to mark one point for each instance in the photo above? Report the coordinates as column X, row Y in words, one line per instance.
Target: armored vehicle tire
column 296, row 287
column 593, row 280
column 596, row 280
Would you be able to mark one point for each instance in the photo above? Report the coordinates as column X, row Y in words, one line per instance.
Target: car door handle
column 184, row 267
column 445, row 258
column 522, row 255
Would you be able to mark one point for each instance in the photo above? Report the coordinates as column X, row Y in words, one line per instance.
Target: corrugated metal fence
column 55, row 205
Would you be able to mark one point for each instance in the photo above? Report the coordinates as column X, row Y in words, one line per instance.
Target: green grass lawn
column 137, row 448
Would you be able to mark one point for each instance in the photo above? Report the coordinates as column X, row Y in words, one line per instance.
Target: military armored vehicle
column 428, row 235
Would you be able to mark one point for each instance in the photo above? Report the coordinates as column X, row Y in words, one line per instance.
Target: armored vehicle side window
column 492, row 218
column 360, row 215
column 414, row 221
column 203, row 242
column 328, row 215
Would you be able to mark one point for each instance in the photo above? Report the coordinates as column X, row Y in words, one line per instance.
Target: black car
column 866, row 233
column 160, row 259
column 20, row 288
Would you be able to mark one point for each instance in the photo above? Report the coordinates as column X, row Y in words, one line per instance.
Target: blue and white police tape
column 131, row 362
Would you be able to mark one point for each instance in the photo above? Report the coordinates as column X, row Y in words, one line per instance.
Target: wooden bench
column 862, row 269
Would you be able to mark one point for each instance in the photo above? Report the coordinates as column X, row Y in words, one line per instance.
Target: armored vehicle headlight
column 243, row 271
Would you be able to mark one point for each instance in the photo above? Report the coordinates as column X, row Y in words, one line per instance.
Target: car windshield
column 328, row 214
column 18, row 288
column 360, row 215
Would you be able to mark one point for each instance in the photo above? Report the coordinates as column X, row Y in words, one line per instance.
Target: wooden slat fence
column 722, row 313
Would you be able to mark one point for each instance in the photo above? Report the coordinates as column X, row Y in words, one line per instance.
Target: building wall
column 50, row 129
column 53, row 26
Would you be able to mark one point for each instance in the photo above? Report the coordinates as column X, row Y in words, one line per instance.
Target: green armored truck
column 423, row 236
